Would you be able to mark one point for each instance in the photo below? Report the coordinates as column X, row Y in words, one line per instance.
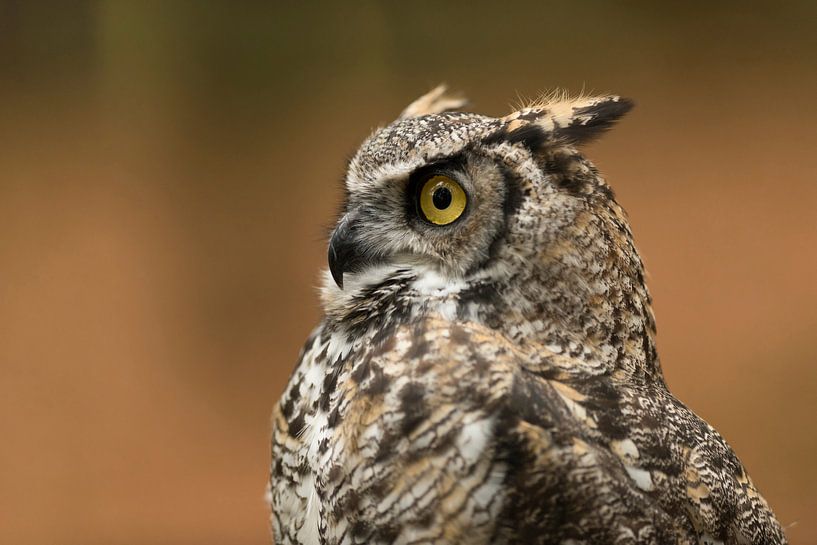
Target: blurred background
column 167, row 171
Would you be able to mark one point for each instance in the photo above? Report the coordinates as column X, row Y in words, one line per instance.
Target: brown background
column 167, row 171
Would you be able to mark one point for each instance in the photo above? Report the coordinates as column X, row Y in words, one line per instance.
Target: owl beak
column 343, row 250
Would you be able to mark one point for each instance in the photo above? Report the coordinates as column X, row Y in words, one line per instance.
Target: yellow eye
column 442, row 200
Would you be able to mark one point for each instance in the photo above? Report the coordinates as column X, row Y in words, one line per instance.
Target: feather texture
column 495, row 380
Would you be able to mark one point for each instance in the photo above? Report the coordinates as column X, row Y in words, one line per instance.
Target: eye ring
column 441, row 200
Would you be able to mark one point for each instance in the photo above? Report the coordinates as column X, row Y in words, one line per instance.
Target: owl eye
column 441, row 200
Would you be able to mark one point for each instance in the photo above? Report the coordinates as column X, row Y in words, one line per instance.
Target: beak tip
column 338, row 278
column 343, row 251
column 336, row 267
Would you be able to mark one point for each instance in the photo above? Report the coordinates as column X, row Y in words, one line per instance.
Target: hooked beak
column 345, row 253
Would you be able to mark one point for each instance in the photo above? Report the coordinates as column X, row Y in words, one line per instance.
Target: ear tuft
column 591, row 120
column 434, row 102
column 576, row 120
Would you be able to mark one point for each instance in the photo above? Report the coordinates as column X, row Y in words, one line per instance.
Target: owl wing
column 680, row 460
column 444, row 435
column 643, row 467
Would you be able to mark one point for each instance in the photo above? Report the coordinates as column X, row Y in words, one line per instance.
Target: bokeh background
column 168, row 169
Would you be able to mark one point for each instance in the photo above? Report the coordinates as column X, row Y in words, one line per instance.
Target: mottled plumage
column 495, row 379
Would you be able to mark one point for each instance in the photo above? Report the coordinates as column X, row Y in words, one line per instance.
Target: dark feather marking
column 511, row 204
column 330, row 382
column 378, row 383
column 486, row 296
column 296, row 425
column 334, row 417
column 360, row 529
column 419, row 345
column 413, row 407
column 459, row 335
column 387, row 445
column 362, row 370
column 289, row 406
column 386, row 534
column 530, row 135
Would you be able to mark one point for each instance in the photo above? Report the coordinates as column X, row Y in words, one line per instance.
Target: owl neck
column 603, row 322
column 581, row 294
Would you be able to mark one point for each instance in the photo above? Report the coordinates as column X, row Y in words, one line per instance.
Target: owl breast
column 395, row 443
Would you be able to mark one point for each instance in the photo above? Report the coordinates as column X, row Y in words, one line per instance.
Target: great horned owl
column 486, row 369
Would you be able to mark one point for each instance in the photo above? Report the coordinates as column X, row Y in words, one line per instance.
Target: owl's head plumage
column 454, row 198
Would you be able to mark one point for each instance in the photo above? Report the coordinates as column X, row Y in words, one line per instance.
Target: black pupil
column 441, row 198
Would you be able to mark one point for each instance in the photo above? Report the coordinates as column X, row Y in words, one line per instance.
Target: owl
column 486, row 368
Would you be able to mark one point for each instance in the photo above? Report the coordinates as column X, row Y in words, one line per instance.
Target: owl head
column 449, row 199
